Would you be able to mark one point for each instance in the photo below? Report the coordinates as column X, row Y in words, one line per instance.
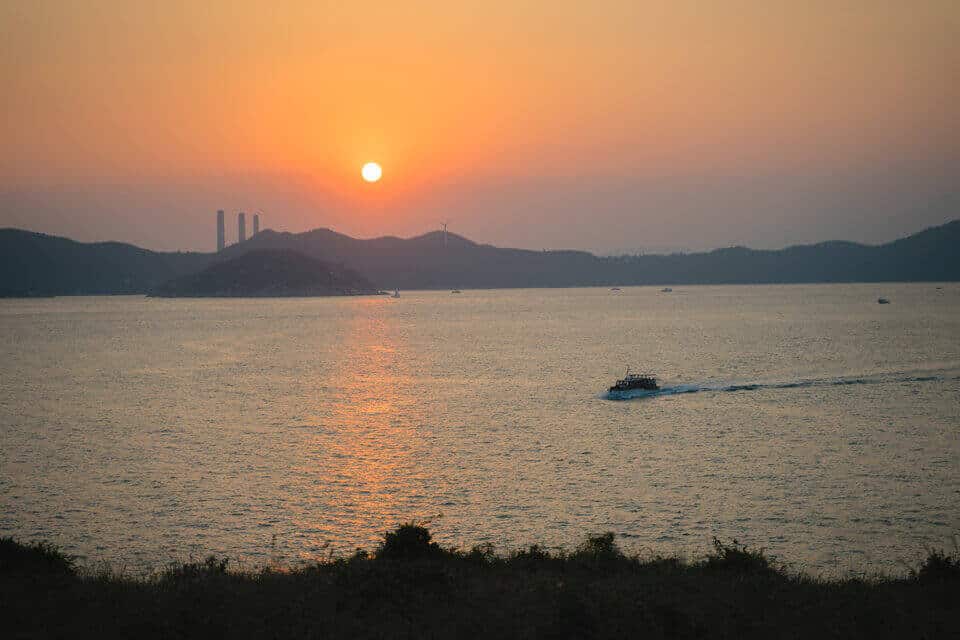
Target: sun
column 371, row 172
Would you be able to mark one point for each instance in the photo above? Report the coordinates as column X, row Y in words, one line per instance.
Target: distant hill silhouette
column 268, row 273
column 426, row 262
column 37, row 264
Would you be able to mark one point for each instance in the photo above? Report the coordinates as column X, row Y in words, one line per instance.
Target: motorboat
column 636, row 381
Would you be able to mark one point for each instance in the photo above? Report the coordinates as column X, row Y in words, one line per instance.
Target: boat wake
column 735, row 387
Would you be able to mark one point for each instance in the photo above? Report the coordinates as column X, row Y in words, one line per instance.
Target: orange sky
column 477, row 111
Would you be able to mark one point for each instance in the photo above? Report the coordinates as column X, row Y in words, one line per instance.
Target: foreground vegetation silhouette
column 410, row 587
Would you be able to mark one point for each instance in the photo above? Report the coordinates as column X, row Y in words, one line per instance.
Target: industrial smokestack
column 221, row 235
column 256, row 223
column 241, row 226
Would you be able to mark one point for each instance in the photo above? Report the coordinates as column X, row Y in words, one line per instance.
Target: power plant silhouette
column 241, row 228
column 221, row 240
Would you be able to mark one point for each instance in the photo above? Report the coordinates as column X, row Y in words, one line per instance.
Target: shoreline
column 441, row 289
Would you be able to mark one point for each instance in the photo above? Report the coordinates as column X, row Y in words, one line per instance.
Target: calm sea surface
column 812, row 421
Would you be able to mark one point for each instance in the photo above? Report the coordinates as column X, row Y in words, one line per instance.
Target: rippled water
column 805, row 419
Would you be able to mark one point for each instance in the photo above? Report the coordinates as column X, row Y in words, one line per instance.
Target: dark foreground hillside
column 413, row 589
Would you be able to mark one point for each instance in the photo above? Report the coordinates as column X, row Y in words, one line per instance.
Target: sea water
column 807, row 420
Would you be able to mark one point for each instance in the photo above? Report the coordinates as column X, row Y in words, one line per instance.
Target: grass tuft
column 210, row 566
column 738, row 558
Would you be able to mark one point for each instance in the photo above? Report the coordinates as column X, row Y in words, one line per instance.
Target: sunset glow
column 747, row 121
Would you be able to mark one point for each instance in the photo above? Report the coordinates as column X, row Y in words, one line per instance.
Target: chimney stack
column 241, row 226
column 256, row 223
column 221, row 236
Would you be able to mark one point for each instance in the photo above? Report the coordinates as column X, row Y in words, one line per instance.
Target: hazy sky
column 605, row 125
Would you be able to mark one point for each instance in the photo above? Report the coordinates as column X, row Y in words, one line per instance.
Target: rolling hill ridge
column 34, row 264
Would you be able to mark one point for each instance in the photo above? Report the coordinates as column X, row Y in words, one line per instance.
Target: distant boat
column 666, row 290
column 635, row 381
column 882, row 301
column 396, row 293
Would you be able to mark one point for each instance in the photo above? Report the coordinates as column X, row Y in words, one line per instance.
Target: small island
column 268, row 273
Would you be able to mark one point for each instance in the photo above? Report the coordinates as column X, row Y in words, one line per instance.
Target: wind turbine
column 443, row 225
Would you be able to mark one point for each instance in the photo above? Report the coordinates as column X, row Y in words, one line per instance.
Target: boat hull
column 630, row 394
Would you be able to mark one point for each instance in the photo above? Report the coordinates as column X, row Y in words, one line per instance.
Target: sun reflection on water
column 360, row 466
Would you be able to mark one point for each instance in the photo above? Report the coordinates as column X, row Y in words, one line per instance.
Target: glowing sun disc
column 371, row 172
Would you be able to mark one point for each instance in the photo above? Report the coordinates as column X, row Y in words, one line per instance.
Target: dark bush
column 409, row 541
column 738, row 558
column 600, row 547
column 533, row 552
column 482, row 553
column 37, row 557
column 939, row 567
